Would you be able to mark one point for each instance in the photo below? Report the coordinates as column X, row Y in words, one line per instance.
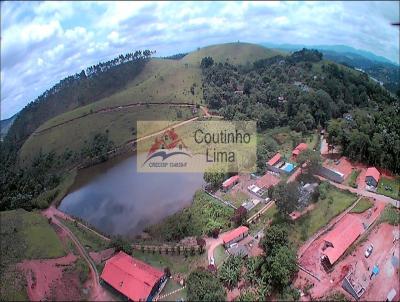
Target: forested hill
column 86, row 87
column 306, row 92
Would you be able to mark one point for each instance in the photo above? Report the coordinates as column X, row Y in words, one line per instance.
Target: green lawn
column 335, row 202
column 392, row 183
column 24, row 235
column 176, row 263
column 220, row 255
column 363, row 205
column 236, row 199
column 89, row 240
column 170, row 287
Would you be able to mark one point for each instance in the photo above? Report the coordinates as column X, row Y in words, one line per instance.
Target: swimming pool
column 288, row 167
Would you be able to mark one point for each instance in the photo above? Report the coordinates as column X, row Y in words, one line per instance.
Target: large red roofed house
column 372, row 176
column 133, row 278
column 235, row 235
column 338, row 240
column 300, row 148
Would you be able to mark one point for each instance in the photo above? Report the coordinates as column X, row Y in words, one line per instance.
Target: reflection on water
column 117, row 200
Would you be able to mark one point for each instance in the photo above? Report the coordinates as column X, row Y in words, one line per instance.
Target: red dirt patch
column 51, row 279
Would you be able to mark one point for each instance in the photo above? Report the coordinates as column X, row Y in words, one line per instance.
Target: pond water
column 116, row 199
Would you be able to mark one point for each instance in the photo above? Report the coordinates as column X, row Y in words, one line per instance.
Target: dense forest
column 306, row 93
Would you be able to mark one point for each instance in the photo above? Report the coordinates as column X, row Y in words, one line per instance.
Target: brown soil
column 52, row 279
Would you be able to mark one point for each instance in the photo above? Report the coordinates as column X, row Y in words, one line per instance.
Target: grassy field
column 390, row 215
column 236, row 199
column 119, row 124
column 177, row 263
column 392, row 183
column 335, row 202
column 363, row 205
column 89, row 240
column 24, row 235
column 233, row 53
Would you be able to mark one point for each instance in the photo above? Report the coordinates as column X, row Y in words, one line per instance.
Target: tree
column 202, row 285
column 229, row 273
column 312, row 159
column 281, row 266
column 214, row 178
column 121, row 244
column 206, row 62
column 275, row 236
column 286, row 197
column 239, row 216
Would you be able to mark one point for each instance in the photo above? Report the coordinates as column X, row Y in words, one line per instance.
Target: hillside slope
column 232, row 53
column 161, row 81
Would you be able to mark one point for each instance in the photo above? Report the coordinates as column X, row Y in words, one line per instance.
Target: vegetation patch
column 205, row 215
column 362, row 205
column 390, row 215
column 352, row 181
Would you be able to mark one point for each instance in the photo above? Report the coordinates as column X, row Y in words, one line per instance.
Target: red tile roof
column 131, row 277
column 373, row 172
column 301, row 147
column 267, row 181
column 345, row 232
column 230, row 181
column 274, row 159
column 234, row 233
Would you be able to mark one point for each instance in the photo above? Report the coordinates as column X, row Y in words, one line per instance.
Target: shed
column 230, row 182
column 235, row 235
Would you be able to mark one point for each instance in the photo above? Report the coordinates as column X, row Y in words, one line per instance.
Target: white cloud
column 43, row 42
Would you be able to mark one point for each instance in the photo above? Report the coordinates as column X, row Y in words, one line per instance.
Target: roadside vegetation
column 88, row 239
column 352, row 181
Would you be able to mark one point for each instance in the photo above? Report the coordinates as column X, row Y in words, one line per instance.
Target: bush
column 202, row 285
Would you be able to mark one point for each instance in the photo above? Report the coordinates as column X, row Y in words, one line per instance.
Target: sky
column 43, row 42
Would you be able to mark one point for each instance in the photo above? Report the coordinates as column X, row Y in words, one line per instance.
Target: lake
column 116, row 199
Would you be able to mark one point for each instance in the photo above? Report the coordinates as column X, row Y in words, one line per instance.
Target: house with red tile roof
column 133, row 278
column 372, row 177
column 339, row 239
column 235, row 235
column 275, row 159
column 300, row 148
column 267, row 181
column 230, row 182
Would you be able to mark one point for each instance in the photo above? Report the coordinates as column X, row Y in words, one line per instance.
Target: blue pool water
column 289, row 167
